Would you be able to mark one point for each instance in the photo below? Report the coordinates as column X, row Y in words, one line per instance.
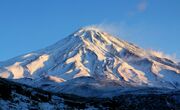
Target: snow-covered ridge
column 91, row 52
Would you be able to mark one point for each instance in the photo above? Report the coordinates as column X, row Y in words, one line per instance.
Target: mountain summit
column 92, row 54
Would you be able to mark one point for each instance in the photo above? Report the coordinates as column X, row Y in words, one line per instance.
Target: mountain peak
column 91, row 52
column 88, row 29
column 91, row 33
column 91, row 28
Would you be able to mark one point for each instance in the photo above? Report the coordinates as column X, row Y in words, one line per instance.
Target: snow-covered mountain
column 91, row 53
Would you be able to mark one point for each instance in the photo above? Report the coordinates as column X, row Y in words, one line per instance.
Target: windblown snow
column 90, row 52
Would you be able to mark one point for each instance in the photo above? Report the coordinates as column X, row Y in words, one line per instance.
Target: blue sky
column 28, row 25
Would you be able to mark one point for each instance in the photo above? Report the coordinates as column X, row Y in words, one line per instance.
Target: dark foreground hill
column 16, row 96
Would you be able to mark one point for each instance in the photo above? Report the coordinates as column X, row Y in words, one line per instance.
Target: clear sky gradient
column 28, row 25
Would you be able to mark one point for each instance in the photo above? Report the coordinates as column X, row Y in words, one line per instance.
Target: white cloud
column 160, row 54
column 112, row 28
column 139, row 8
column 142, row 6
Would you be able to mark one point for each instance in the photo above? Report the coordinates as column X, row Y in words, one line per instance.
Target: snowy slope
column 90, row 52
